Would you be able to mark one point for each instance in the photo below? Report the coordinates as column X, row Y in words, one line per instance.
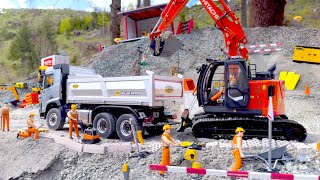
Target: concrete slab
column 47, row 135
column 69, row 143
column 126, row 148
column 94, row 149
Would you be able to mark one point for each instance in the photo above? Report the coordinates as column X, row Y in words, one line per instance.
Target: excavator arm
column 225, row 20
column 170, row 12
column 14, row 91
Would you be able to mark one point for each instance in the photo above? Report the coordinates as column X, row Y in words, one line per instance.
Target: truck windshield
column 49, row 81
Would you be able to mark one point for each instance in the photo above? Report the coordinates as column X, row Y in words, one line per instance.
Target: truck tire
column 154, row 130
column 123, row 126
column 105, row 124
column 54, row 120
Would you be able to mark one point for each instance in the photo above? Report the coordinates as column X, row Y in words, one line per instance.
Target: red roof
column 144, row 12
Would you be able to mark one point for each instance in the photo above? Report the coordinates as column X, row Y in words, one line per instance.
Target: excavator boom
column 225, row 20
column 171, row 11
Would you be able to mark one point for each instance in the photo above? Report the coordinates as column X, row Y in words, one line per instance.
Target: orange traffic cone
column 307, row 91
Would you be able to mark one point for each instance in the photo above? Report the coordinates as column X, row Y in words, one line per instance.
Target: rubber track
column 217, row 127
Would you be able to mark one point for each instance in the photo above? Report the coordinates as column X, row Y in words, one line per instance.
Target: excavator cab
column 223, row 86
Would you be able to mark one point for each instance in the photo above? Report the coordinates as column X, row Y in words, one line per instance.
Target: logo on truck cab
column 168, row 89
column 75, row 86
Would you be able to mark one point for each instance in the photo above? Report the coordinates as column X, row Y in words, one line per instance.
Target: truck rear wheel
column 104, row 123
column 124, row 128
column 54, row 120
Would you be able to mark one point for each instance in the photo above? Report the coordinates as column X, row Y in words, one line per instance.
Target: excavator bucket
column 15, row 102
column 165, row 46
column 185, row 121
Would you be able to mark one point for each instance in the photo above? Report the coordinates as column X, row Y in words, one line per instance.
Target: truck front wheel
column 54, row 120
column 124, row 128
column 104, row 123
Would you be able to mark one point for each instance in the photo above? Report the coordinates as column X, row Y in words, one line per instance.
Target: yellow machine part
column 43, row 68
column 125, row 168
column 22, row 131
column 20, row 85
column 283, row 75
column 196, row 165
column 290, row 78
column 306, row 54
column 43, row 130
column 318, row 146
column 36, row 89
column 140, row 138
column 191, row 155
column 11, row 88
column 185, row 144
column 38, row 77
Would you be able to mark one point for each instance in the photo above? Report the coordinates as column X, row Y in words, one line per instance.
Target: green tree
column 21, row 49
column 94, row 22
column 65, row 26
column 103, row 19
column 87, row 22
column 76, row 23
column 47, row 44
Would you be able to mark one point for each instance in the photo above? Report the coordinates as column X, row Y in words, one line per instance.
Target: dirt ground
column 26, row 159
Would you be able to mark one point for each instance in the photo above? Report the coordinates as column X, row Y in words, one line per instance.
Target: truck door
column 237, row 85
column 51, row 89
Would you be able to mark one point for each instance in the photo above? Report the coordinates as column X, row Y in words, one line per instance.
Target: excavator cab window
column 216, row 85
column 237, row 85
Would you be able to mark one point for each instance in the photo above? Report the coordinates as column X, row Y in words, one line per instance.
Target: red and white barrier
column 264, row 48
column 264, row 45
column 236, row 174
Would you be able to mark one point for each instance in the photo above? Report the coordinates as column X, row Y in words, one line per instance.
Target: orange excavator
column 232, row 93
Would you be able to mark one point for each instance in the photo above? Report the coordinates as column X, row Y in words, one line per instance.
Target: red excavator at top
column 232, row 93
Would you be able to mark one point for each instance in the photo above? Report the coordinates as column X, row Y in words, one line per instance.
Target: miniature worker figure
column 5, row 116
column 31, row 129
column 73, row 115
column 237, row 149
column 166, row 140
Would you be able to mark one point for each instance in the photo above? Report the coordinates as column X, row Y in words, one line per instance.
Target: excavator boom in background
column 13, row 88
column 232, row 93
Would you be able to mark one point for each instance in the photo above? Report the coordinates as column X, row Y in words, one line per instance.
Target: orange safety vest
column 73, row 114
column 234, row 141
column 168, row 137
column 5, row 111
column 29, row 125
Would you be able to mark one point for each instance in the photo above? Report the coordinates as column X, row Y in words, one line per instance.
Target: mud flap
column 165, row 47
column 185, row 121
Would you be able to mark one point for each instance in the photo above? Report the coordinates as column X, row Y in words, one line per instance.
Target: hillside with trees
column 28, row 35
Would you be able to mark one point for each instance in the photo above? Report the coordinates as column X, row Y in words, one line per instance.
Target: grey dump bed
column 149, row 90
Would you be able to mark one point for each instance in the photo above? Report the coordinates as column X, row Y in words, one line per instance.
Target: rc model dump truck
column 108, row 103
